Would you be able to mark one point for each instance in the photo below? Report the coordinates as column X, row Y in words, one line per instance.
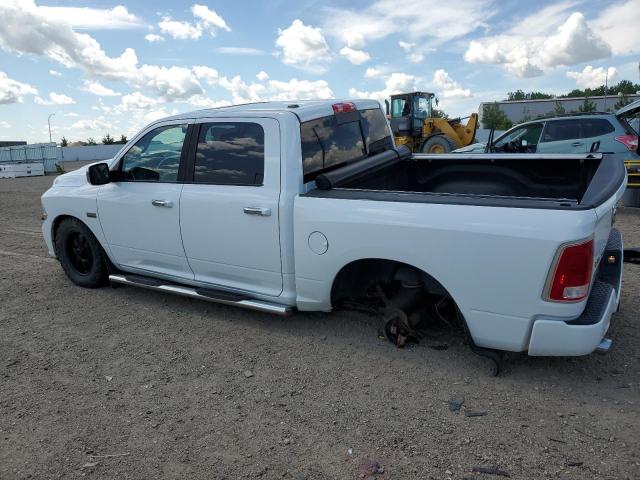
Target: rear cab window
column 336, row 140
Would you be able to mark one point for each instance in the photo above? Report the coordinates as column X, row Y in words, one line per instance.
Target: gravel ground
column 133, row 384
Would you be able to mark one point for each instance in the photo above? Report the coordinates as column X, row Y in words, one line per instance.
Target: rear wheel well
column 356, row 278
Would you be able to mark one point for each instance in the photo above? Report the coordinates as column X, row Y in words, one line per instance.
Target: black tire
column 81, row 256
column 438, row 144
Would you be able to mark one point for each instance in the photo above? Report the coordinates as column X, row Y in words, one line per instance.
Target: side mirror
column 98, row 174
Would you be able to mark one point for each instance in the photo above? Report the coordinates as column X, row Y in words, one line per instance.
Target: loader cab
column 408, row 111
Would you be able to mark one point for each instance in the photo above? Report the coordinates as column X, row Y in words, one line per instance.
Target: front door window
column 156, row 156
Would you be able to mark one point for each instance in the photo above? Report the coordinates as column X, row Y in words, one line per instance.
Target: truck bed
column 526, row 180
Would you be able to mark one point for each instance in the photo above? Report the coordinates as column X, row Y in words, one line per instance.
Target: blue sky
column 103, row 66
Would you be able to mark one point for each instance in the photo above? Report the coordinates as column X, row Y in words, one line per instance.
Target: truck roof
column 303, row 109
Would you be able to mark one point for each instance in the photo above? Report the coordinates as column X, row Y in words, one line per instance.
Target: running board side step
column 217, row 296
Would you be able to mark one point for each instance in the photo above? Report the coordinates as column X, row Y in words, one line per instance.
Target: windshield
column 422, row 107
column 400, row 107
column 530, row 133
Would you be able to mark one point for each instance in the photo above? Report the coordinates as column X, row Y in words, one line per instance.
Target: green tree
column 108, row 140
column 91, row 141
column 587, row 106
column 123, row 139
column 437, row 113
column 558, row 109
column 622, row 101
column 515, row 96
column 64, row 142
column 520, row 95
column 494, row 117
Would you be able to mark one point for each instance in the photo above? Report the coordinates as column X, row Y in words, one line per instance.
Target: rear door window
column 328, row 144
column 558, row 130
column 595, row 127
column 230, row 154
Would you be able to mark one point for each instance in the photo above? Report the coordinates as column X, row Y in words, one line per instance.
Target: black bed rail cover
column 366, row 166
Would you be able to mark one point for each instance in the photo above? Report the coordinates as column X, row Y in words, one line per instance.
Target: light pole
column 49, row 122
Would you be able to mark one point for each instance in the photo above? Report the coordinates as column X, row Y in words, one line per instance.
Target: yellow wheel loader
column 412, row 123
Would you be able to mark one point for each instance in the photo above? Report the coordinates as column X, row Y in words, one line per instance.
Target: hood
column 77, row 177
column 474, row 147
column 629, row 110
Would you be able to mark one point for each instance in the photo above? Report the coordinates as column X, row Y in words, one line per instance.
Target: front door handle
column 577, row 144
column 162, row 203
column 263, row 212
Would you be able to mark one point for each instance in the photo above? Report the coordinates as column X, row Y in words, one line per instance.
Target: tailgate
column 605, row 214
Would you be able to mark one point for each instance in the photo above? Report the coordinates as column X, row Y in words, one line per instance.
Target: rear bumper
column 581, row 336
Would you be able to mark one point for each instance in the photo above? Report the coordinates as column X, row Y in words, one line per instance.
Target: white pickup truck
column 280, row 206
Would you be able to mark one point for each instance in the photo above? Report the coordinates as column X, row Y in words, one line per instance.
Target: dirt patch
column 129, row 383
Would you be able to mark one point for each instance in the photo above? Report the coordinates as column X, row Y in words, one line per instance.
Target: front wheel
column 438, row 144
column 80, row 254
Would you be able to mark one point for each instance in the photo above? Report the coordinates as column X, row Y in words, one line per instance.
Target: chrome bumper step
column 210, row 295
column 604, row 345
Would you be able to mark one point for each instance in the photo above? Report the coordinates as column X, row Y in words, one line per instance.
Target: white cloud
column 357, row 57
column 154, row 115
column 209, row 18
column 173, row 83
column 12, row 91
column 4, row 124
column 591, row 77
column 372, row 72
column 425, row 21
column 548, row 38
column 137, row 101
column 574, row 43
column 202, row 101
column 256, row 91
column 55, row 39
column 93, row 18
column 207, row 74
column 448, row 87
column 618, row 26
column 71, row 114
column 153, row 37
column 298, row 90
column 92, row 124
column 55, row 99
column 303, row 46
column 239, row 51
column 395, row 83
column 96, row 88
column 414, row 55
column 242, row 92
column 54, row 73
column 180, row 30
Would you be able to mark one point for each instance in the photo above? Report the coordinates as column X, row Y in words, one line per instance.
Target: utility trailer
column 22, row 169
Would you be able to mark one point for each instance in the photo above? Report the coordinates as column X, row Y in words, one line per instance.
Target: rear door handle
column 263, row 212
column 162, row 203
column 577, row 144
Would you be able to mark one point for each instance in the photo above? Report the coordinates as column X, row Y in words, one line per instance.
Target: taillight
column 630, row 141
column 344, row 107
column 571, row 276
